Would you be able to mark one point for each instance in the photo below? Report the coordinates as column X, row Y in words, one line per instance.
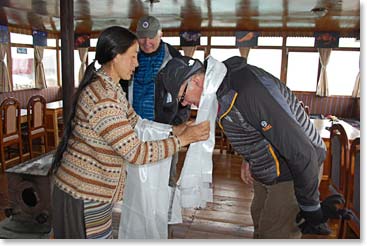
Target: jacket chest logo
column 265, row 126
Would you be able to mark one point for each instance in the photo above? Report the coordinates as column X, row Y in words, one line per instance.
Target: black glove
column 315, row 221
column 330, row 208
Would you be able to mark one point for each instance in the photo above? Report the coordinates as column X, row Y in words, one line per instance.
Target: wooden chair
column 10, row 131
column 339, row 159
column 36, row 118
column 353, row 190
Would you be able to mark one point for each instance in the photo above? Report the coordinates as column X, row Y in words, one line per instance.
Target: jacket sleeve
column 265, row 109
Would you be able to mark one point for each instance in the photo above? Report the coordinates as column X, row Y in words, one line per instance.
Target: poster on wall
column 81, row 40
column 39, row 38
column 4, row 34
column 190, row 38
column 326, row 39
column 246, row 38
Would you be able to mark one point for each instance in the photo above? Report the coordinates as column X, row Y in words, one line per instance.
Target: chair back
column 36, row 117
column 36, row 113
column 339, row 146
column 10, row 111
column 353, row 189
column 10, row 131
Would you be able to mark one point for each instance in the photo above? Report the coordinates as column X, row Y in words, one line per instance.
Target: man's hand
column 246, row 173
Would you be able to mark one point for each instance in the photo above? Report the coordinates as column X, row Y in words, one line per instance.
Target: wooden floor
column 227, row 217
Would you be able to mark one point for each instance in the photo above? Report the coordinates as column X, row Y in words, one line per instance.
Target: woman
column 99, row 138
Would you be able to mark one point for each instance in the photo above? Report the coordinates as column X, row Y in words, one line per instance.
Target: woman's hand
column 194, row 133
column 177, row 130
column 246, row 173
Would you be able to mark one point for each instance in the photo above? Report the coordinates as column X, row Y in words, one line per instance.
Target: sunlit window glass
column 21, row 38
column 50, row 67
column 224, row 54
column 223, row 40
column 23, row 68
column 270, row 41
column 342, row 71
column 268, row 59
column 175, row 41
column 299, row 76
column 301, row 41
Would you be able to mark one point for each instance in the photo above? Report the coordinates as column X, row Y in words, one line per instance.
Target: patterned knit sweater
column 92, row 167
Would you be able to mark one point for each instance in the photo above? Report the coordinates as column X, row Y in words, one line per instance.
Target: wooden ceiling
column 207, row 16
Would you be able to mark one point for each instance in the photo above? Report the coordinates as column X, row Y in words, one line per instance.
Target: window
column 342, row 71
column 270, row 41
column 223, row 41
column 224, row 54
column 51, row 42
column 301, row 77
column 199, row 54
column 93, row 42
column 174, row 41
column 23, row 68
column 21, row 38
column 349, row 42
column 301, row 41
column 77, row 63
column 268, row 59
column 90, row 58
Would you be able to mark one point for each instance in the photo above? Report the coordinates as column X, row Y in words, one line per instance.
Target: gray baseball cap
column 148, row 27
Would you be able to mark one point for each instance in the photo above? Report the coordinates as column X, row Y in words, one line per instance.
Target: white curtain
column 322, row 86
column 244, row 51
column 83, row 53
column 357, row 86
column 40, row 71
column 5, row 85
column 189, row 50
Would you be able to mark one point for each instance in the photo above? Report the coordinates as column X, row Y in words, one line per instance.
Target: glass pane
column 50, row 66
column 299, row 76
column 342, row 76
column 223, row 40
column 349, row 42
column 23, row 68
column 77, row 63
column 93, row 42
column 224, row 54
column 172, row 40
column 204, row 41
column 301, row 41
column 91, row 56
column 51, row 42
column 21, row 38
column 199, row 54
column 268, row 59
column 270, row 41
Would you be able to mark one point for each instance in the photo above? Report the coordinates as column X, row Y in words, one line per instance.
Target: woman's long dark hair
column 111, row 42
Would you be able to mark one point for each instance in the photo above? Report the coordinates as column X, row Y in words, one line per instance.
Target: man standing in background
column 153, row 56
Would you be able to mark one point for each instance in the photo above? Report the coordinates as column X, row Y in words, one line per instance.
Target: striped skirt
column 98, row 220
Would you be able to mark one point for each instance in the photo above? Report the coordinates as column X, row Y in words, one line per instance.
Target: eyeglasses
column 182, row 98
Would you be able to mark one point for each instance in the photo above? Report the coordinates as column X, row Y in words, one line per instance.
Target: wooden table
column 322, row 126
column 53, row 112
